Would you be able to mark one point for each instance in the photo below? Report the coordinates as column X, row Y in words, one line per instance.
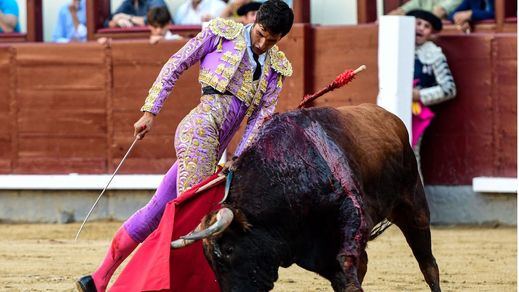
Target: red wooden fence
column 70, row 108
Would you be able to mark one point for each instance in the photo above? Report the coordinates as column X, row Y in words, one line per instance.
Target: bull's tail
column 379, row 229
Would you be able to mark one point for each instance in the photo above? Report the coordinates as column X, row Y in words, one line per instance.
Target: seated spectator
column 198, row 11
column 159, row 19
column 472, row 10
column 433, row 82
column 248, row 11
column 231, row 11
column 71, row 24
column 440, row 8
column 133, row 12
column 9, row 16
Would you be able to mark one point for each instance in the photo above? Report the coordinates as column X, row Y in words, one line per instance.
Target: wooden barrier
column 60, row 108
column 140, row 32
column 71, row 108
column 467, row 134
column 346, row 47
column 7, row 152
column 504, row 93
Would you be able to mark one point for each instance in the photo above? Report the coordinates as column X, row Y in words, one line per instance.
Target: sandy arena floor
column 45, row 258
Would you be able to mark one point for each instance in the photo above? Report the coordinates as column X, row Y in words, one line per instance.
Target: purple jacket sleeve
column 260, row 114
column 189, row 54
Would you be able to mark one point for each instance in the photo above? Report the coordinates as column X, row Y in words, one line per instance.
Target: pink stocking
column 121, row 247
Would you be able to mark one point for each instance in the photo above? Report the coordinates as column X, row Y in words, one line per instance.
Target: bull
column 309, row 192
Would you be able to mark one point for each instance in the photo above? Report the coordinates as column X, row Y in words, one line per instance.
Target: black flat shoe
column 86, row 284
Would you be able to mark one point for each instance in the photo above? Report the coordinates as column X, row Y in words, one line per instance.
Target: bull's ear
column 241, row 220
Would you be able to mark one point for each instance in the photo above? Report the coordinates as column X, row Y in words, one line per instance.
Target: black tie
column 257, row 72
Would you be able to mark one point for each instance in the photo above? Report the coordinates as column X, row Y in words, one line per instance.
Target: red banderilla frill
column 341, row 80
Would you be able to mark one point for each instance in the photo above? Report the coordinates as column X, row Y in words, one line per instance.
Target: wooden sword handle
column 360, row 69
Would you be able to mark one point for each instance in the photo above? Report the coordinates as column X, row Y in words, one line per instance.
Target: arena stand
column 505, row 20
column 99, row 10
column 70, row 109
column 34, row 26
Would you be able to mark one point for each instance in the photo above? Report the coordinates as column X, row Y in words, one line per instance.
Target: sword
column 100, row 195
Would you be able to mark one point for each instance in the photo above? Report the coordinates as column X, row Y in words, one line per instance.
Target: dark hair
column 435, row 22
column 276, row 17
column 246, row 8
column 159, row 16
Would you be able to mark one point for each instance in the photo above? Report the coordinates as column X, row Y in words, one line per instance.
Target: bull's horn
column 179, row 243
column 223, row 220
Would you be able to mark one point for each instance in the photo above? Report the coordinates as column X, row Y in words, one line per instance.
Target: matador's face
column 262, row 40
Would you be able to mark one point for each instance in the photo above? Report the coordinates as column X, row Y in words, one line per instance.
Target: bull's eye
column 228, row 250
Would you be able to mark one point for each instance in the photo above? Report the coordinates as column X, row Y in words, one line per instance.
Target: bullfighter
column 241, row 74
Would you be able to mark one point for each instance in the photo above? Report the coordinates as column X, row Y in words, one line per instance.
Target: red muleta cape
column 156, row 267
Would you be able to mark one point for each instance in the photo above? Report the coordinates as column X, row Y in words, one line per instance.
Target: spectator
column 159, row 19
column 231, row 11
column 9, row 16
column 71, row 24
column 198, row 11
column 133, row 12
column 433, row 79
column 440, row 8
column 248, row 11
column 472, row 10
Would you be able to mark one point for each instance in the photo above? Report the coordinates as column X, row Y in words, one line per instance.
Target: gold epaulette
column 225, row 28
column 279, row 62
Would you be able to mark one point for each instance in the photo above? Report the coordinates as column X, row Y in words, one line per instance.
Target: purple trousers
column 200, row 140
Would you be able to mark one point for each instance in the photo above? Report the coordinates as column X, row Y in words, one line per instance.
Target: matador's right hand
column 143, row 125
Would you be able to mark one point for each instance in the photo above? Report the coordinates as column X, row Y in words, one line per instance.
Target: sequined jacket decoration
column 225, row 66
column 433, row 74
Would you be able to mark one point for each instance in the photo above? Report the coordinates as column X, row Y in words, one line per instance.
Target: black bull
column 310, row 190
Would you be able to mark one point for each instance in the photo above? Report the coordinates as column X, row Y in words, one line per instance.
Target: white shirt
column 187, row 15
column 248, row 41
